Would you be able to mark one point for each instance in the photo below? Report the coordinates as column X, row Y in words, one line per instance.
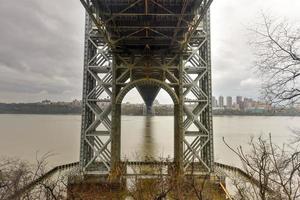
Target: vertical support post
column 178, row 119
column 116, row 136
column 116, row 121
column 84, row 149
column 209, row 90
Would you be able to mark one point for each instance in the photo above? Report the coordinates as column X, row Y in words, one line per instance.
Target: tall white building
column 228, row 101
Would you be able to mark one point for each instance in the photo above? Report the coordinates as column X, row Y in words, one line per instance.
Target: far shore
column 219, row 115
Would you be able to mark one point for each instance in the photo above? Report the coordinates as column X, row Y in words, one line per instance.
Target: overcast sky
column 41, row 47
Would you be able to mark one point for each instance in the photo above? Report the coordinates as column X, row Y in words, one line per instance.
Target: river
column 28, row 136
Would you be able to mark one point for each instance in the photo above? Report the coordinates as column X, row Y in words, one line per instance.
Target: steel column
column 198, row 141
column 95, row 156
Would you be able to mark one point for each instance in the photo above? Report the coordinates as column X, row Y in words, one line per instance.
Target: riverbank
column 127, row 109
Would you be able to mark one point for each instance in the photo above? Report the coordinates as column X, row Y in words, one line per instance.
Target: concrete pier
column 190, row 187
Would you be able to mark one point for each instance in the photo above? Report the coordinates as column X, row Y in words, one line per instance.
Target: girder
column 162, row 25
column 149, row 44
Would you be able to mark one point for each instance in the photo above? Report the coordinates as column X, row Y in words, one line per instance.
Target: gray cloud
column 41, row 50
column 41, row 47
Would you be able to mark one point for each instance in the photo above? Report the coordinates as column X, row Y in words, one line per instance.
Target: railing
column 42, row 178
column 243, row 174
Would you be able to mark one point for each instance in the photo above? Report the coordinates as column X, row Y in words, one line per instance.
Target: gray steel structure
column 147, row 44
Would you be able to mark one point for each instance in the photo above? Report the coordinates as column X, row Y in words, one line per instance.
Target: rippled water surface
column 24, row 136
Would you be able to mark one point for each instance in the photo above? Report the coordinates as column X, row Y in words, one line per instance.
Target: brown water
column 24, row 136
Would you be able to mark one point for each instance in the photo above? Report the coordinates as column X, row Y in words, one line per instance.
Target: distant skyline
column 140, row 100
column 41, row 48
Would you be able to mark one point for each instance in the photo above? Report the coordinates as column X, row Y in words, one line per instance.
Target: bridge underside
column 148, row 94
column 147, row 44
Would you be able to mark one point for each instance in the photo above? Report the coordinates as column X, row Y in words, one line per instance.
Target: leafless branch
column 277, row 50
column 274, row 167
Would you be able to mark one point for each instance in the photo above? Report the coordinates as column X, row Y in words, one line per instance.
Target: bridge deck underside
column 159, row 24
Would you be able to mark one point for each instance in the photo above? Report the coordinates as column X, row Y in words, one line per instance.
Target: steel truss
column 197, row 125
column 108, row 75
column 95, row 150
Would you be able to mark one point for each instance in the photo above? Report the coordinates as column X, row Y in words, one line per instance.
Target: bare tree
column 277, row 49
column 173, row 185
column 157, row 181
column 276, row 171
column 15, row 174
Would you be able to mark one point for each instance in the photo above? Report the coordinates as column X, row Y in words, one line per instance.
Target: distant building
column 239, row 102
column 239, row 99
column 76, row 102
column 221, row 101
column 263, row 105
column 46, row 102
column 235, row 106
column 248, row 103
column 229, row 102
column 214, row 102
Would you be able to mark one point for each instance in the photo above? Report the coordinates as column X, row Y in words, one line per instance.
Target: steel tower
column 150, row 45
